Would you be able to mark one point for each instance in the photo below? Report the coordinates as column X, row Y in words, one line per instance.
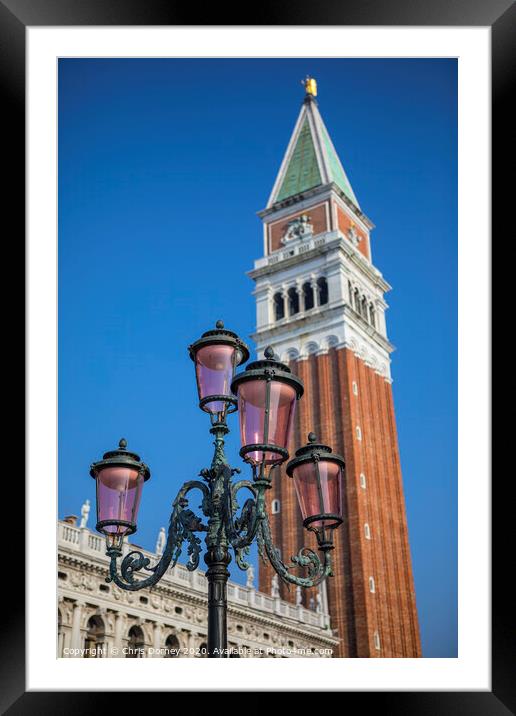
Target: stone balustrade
column 92, row 544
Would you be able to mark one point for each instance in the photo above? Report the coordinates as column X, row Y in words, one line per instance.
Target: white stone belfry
column 315, row 285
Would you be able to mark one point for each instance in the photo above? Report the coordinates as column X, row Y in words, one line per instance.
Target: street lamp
column 265, row 394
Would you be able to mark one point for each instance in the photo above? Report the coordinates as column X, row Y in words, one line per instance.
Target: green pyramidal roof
column 310, row 160
column 338, row 174
column 303, row 169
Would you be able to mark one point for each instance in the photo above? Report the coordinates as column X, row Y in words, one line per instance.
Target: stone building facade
column 97, row 619
column 320, row 304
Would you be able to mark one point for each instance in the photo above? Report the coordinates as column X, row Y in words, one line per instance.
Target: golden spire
column 310, row 86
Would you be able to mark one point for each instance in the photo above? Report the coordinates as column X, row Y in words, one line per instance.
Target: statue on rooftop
column 250, row 577
column 275, row 587
column 85, row 511
column 160, row 544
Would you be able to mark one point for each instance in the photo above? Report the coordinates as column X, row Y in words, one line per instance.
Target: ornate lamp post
column 265, row 394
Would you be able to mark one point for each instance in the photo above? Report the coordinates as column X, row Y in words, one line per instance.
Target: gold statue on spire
column 310, row 86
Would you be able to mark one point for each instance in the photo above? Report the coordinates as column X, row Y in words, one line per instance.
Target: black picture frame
column 500, row 15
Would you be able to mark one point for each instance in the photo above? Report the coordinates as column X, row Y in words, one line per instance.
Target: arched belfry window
column 356, row 300
column 95, row 637
column 363, row 308
column 350, row 293
column 308, row 296
column 135, row 643
column 279, row 307
column 322, row 287
column 293, row 301
column 372, row 316
column 275, row 507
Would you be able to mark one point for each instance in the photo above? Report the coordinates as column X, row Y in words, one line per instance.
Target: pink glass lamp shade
column 267, row 393
column 318, row 477
column 216, row 355
column 120, row 476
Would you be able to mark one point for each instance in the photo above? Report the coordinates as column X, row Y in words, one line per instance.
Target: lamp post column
column 217, row 561
column 217, row 556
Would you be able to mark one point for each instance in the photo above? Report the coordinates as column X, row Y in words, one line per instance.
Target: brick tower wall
column 333, row 411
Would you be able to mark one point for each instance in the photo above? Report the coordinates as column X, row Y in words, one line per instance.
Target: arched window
column 372, row 316
column 372, row 587
column 275, row 507
column 362, row 481
column 358, row 432
column 172, row 648
column 322, row 287
column 367, row 531
column 308, row 296
column 355, row 387
column 293, row 301
column 135, row 644
column 279, row 307
column 376, row 641
column 95, row 638
column 363, row 308
column 356, row 300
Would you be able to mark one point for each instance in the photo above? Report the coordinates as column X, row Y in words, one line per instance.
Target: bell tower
column 320, row 304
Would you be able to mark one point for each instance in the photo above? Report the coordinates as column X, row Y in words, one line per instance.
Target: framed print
column 206, row 296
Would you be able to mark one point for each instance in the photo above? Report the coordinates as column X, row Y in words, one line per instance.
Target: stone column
column 299, row 293
column 263, row 307
column 337, row 284
column 60, row 640
column 83, row 539
column 76, row 627
column 119, row 626
column 156, row 639
column 315, row 289
column 380, row 319
column 286, row 306
column 190, row 644
column 60, row 630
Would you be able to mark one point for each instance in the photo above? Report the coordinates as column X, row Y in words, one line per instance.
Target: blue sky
column 163, row 165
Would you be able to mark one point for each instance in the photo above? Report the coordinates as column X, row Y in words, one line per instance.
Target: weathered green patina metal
column 303, row 169
column 338, row 175
column 313, row 160
column 226, row 527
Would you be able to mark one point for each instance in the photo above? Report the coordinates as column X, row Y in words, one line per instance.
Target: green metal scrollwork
column 182, row 527
column 317, row 570
column 225, row 528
